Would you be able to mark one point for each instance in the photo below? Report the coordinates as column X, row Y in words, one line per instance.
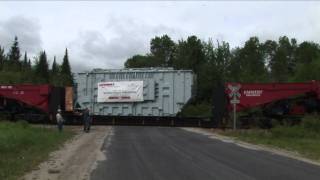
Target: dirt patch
column 212, row 133
column 76, row 159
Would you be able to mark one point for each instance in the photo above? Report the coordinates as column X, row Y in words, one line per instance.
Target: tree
column 282, row 61
column 162, row 51
column 140, row 61
column 66, row 71
column 307, row 52
column 42, row 69
column 162, row 48
column 55, row 76
column 14, row 55
column 308, row 62
column 2, row 58
column 269, row 50
column 223, row 60
column 214, row 70
column 25, row 63
column 308, row 71
column 54, row 68
column 189, row 54
column 252, row 64
column 234, row 68
column 29, row 64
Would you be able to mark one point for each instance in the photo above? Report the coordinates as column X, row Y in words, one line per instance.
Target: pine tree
column 2, row 59
column 42, row 68
column 14, row 55
column 25, row 62
column 29, row 64
column 66, row 70
column 54, row 68
column 55, row 74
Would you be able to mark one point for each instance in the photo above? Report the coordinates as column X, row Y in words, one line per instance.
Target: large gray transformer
column 134, row 92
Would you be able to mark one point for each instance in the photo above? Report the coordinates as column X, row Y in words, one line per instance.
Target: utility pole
column 234, row 117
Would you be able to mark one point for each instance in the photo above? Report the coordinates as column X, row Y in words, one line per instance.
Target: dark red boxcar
column 257, row 94
column 45, row 98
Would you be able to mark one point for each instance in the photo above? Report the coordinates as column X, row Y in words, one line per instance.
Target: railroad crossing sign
column 234, row 94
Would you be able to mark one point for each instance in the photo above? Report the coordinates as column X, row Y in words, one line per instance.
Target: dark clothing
column 86, row 121
column 87, row 125
column 60, row 126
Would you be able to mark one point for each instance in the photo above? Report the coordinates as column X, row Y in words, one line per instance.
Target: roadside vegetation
column 23, row 147
column 16, row 68
column 303, row 138
column 197, row 110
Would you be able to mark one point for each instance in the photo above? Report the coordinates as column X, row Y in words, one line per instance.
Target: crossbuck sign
column 234, row 95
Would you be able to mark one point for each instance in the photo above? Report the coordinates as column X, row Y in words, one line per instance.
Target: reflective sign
column 234, row 94
column 120, row 91
column 234, row 101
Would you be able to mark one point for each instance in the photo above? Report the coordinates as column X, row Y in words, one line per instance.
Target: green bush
column 311, row 123
column 309, row 127
column 197, row 110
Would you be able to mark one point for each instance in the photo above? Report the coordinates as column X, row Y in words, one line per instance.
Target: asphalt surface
column 164, row 153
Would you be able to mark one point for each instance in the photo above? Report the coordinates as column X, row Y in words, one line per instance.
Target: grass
column 303, row 138
column 23, row 147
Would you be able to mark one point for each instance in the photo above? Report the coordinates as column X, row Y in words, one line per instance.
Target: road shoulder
column 210, row 133
column 76, row 159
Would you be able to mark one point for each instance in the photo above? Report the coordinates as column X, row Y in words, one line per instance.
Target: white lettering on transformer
column 252, row 92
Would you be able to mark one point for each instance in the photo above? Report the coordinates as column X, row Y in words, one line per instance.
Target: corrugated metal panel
column 165, row 91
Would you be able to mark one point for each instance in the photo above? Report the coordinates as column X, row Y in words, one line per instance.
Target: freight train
column 118, row 96
column 155, row 96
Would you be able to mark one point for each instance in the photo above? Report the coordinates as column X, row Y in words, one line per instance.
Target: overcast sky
column 104, row 34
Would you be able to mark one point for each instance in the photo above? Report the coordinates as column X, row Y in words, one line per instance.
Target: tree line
column 16, row 68
column 283, row 60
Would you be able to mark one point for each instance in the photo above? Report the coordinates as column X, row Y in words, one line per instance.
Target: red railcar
column 260, row 94
column 275, row 100
column 34, row 102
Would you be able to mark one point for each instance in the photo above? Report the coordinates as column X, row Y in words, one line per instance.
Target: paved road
column 161, row 153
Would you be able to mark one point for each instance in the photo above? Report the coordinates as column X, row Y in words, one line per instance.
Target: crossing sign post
column 234, row 95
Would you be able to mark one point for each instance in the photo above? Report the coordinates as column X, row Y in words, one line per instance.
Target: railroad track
column 122, row 120
column 154, row 121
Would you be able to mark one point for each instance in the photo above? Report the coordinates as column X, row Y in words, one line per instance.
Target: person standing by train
column 86, row 120
column 60, row 120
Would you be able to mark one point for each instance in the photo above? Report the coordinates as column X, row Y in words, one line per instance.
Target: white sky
column 104, row 34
